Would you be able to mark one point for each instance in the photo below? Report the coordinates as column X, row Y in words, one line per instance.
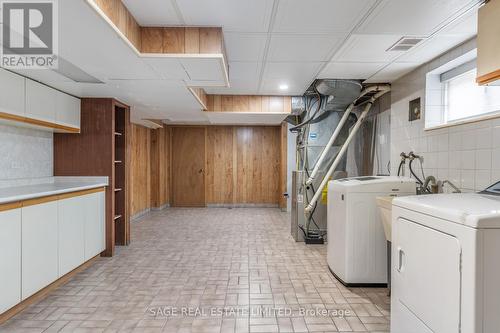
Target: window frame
column 438, row 119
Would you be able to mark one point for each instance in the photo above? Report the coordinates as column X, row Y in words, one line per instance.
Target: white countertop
column 56, row 185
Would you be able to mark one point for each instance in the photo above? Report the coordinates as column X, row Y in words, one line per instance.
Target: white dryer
column 445, row 263
column 357, row 248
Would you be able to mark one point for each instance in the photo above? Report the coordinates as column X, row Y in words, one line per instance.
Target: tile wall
column 25, row 153
column 468, row 155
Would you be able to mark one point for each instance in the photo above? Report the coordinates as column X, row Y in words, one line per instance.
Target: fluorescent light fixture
column 283, row 86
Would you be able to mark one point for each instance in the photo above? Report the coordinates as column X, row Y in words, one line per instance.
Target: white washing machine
column 445, row 263
column 357, row 248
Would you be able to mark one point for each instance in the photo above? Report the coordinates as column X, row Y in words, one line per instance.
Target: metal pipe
column 336, row 133
column 343, row 150
column 329, row 144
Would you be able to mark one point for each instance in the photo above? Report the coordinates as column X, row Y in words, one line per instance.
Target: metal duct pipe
column 383, row 91
column 336, row 133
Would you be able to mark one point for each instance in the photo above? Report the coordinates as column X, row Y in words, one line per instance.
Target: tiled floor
column 186, row 266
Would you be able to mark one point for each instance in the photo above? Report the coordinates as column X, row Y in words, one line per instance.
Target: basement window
column 453, row 97
column 465, row 99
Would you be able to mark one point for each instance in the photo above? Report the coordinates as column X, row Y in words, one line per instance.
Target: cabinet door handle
column 401, row 257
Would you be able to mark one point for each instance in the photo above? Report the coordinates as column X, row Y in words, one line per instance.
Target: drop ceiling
column 269, row 43
column 294, row 42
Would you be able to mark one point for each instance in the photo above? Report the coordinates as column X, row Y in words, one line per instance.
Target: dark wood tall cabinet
column 101, row 149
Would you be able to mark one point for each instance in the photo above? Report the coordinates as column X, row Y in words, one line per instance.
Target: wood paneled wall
column 116, row 11
column 140, row 173
column 244, row 165
column 182, row 40
column 257, row 165
column 176, row 40
column 220, row 165
column 160, row 167
column 245, row 103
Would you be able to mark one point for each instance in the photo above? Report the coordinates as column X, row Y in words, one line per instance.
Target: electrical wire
column 312, row 117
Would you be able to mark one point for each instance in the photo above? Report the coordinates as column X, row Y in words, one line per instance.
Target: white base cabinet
column 10, row 259
column 95, row 225
column 39, row 243
column 71, row 233
column 39, row 247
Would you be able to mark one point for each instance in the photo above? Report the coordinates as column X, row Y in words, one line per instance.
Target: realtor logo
column 29, row 34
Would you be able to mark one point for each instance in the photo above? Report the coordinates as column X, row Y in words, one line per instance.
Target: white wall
column 25, row 153
column 468, row 155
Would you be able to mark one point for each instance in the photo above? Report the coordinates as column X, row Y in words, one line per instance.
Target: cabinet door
column 71, row 234
column 12, row 93
column 95, row 228
column 67, row 110
column 39, row 247
column 10, row 259
column 426, row 274
column 40, row 102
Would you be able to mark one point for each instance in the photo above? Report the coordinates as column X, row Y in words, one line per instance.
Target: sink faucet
column 434, row 187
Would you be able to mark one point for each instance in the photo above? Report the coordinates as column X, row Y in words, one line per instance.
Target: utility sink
column 385, row 206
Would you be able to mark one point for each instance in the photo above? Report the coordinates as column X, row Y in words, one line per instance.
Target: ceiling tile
column 232, row 15
column 244, row 78
column 432, row 48
column 354, row 70
column 303, row 47
column 249, row 71
column 466, row 25
column 203, row 71
column 298, row 77
column 153, row 12
column 168, row 68
column 318, row 16
column 368, row 48
column 410, row 17
column 291, row 70
column 245, row 46
column 392, row 72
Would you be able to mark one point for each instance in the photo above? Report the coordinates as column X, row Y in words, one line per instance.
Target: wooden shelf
column 101, row 149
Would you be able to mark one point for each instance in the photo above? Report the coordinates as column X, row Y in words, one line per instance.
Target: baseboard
column 147, row 211
column 165, row 206
column 45, row 291
column 139, row 215
column 242, row 206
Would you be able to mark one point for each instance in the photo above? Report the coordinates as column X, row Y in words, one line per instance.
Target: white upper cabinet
column 32, row 101
column 10, row 259
column 40, row 102
column 67, row 110
column 12, row 93
column 488, row 47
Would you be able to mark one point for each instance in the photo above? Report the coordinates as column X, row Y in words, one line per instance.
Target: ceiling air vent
column 405, row 43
